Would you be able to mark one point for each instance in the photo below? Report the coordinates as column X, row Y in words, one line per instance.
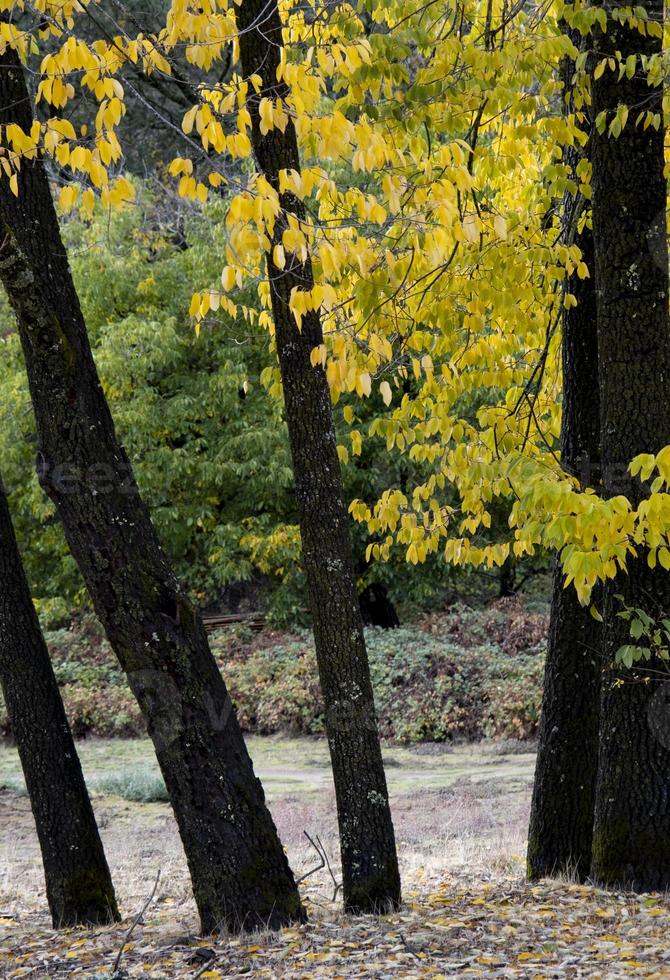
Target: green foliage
column 465, row 674
column 651, row 636
column 139, row 785
column 206, row 440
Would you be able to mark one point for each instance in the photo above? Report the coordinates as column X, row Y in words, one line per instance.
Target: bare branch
column 133, row 926
column 318, row 866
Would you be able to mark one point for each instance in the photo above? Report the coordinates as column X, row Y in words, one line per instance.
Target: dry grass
column 467, row 909
column 462, row 808
column 469, row 820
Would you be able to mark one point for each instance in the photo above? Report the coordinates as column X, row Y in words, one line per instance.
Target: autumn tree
column 240, row 874
column 561, row 821
column 417, row 252
column 78, row 883
column 371, row 879
column 632, row 819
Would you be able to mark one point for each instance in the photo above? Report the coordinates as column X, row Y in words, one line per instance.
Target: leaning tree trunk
column 369, row 862
column 241, row 878
column 631, row 839
column 78, row 883
column 561, row 819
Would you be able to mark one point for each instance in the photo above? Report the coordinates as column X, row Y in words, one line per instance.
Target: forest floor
column 460, row 815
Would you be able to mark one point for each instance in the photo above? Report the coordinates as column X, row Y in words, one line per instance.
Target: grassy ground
column 289, row 766
column 460, row 817
column 452, row 806
column 463, row 807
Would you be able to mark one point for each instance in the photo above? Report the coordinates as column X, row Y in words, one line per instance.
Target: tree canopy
column 432, row 143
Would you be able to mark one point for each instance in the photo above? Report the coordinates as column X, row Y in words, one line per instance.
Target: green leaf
column 636, row 629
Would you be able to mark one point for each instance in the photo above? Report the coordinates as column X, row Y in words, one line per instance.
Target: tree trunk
column 241, row 878
column 78, row 883
column 507, row 578
column 377, row 608
column 369, row 862
column 561, row 820
column 631, row 840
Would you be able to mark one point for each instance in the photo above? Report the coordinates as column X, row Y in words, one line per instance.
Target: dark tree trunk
column 631, row 840
column 376, row 607
column 78, row 883
column 507, row 578
column 241, row 878
column 561, row 821
column 370, row 867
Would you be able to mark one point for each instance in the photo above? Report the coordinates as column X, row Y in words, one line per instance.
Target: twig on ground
column 207, row 965
column 325, row 863
column 336, row 883
column 133, row 926
column 318, row 866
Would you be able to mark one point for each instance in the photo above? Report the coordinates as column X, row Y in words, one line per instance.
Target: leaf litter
column 452, row 924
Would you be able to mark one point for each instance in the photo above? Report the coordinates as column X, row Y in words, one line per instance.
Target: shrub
column 136, row 785
column 465, row 674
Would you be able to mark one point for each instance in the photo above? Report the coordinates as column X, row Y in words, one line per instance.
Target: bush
column 136, row 785
column 465, row 674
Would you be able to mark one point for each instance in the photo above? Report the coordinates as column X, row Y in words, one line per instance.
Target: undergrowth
column 460, row 674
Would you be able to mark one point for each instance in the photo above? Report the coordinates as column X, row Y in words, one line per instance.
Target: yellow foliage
column 429, row 198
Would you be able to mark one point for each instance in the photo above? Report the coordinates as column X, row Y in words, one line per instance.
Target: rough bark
column 631, row 841
column 78, row 884
column 241, row 878
column 561, row 820
column 370, row 867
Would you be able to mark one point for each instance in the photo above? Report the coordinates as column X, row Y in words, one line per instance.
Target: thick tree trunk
column 369, row 863
column 241, row 878
column 631, row 840
column 561, row 820
column 78, row 883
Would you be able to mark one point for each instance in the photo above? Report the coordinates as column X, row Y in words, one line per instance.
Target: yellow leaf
column 195, row 305
column 363, row 384
column 500, row 226
column 67, row 197
column 385, row 392
column 267, row 116
column 279, row 256
column 228, row 277
column 318, row 355
column 470, row 229
column 88, row 202
column 14, row 185
column 188, row 121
